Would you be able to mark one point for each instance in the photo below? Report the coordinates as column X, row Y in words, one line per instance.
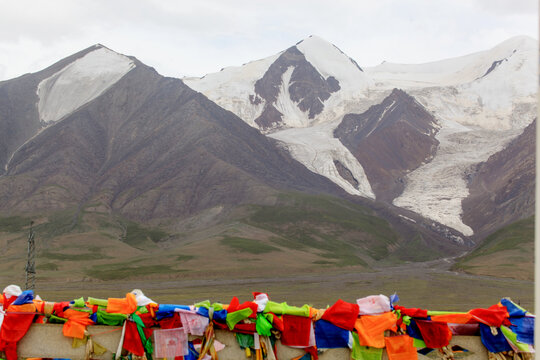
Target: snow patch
column 80, row 82
column 316, row 148
column 407, row 218
column 388, row 108
column 292, row 115
column 6, row 167
column 232, row 87
column 436, row 190
column 453, row 71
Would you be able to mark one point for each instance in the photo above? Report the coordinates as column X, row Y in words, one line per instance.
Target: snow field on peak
column 316, row 148
column 231, row 87
column 436, row 189
column 80, row 82
column 330, row 61
column 453, row 71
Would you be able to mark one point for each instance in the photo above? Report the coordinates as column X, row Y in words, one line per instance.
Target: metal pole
column 31, row 261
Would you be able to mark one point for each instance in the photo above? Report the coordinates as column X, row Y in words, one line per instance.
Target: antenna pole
column 31, row 261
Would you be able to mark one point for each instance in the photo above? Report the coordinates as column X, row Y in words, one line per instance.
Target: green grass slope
column 342, row 232
column 297, row 233
column 509, row 252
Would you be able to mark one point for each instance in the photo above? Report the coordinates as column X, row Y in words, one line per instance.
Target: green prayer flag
column 79, row 302
column 263, row 326
column 53, row 319
column 436, row 313
column 245, row 340
column 360, row 352
column 111, row 319
column 283, row 308
column 418, row 343
column 147, row 342
column 206, row 304
column 100, row 302
column 237, row 316
column 406, row 319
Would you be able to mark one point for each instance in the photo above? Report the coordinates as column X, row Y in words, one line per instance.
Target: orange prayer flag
column 76, row 324
column 127, row 305
column 370, row 328
column 400, row 348
column 455, row 318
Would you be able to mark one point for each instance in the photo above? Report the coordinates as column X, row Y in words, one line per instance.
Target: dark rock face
column 19, row 117
column 389, row 140
column 307, row 88
column 495, row 64
column 150, row 147
column 502, row 189
column 345, row 173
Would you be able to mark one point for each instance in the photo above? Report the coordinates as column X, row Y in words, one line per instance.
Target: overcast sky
column 192, row 38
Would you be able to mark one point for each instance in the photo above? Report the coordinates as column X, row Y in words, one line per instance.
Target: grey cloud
column 193, row 38
column 509, row 7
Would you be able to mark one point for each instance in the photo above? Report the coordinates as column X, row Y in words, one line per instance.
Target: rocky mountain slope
column 132, row 141
column 502, row 189
column 389, row 140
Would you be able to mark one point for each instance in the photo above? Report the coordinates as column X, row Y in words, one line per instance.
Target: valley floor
column 431, row 285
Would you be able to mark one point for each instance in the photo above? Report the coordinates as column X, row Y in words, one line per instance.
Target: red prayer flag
column 342, row 314
column 132, row 339
column 435, row 334
column 296, row 330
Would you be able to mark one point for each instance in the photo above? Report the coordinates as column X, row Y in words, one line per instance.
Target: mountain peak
column 314, row 39
column 80, row 81
column 330, row 60
column 109, row 51
column 317, row 45
column 517, row 43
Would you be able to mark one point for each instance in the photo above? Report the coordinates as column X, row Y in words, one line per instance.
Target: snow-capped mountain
column 482, row 101
column 298, row 97
column 102, row 134
column 306, row 84
column 478, row 103
column 100, row 126
column 492, row 89
column 31, row 102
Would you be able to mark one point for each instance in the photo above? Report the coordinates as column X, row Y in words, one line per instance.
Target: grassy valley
column 300, row 248
column 509, row 252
